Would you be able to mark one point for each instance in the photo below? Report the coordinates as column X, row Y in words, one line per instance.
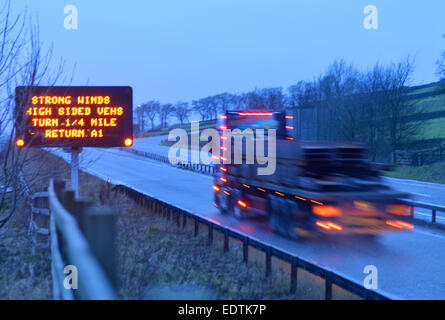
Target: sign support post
column 75, row 169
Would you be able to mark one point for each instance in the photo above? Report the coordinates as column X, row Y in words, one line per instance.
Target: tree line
column 347, row 104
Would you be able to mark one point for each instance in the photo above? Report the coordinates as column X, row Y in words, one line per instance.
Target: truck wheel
column 274, row 222
column 280, row 217
column 289, row 208
column 226, row 204
column 223, row 201
column 238, row 212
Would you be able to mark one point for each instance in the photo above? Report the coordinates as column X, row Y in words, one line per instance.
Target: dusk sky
column 182, row 50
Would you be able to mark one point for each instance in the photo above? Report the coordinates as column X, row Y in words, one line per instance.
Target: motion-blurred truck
column 316, row 187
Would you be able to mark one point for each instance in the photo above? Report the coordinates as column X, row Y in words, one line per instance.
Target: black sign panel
column 74, row 116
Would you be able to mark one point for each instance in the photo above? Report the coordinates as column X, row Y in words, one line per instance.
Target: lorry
column 316, row 188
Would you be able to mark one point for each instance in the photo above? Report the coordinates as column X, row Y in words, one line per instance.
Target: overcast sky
column 186, row 49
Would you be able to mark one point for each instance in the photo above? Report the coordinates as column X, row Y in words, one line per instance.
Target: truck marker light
column 365, row 206
column 223, row 127
column 258, row 114
column 223, row 179
column 300, row 198
column 326, row 211
column 223, row 138
column 398, row 209
column 223, row 159
column 289, row 127
column 223, row 148
column 245, row 185
column 216, row 188
column 313, row 201
column 289, row 117
column 20, row 143
column 215, row 205
column 242, row 204
column 261, row 189
column 223, row 117
column 279, row 193
column 215, row 157
column 289, row 138
column 227, row 193
column 223, row 169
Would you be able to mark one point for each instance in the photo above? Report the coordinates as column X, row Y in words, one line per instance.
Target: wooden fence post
column 100, row 231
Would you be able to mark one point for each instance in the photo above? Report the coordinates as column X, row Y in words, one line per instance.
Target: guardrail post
column 178, row 219
column 196, row 227
column 433, row 216
column 245, row 250
column 293, row 276
column 268, row 262
column 210, row 234
column 328, row 285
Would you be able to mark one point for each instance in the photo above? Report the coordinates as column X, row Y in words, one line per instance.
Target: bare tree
column 201, row 106
column 440, row 65
column 395, row 109
column 151, row 109
column 22, row 62
column 165, row 111
column 182, row 111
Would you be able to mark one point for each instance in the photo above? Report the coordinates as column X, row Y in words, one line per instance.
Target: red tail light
column 329, row 225
column 399, row 224
column 242, row 204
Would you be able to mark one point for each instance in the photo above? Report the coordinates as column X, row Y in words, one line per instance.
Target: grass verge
column 429, row 173
column 156, row 259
